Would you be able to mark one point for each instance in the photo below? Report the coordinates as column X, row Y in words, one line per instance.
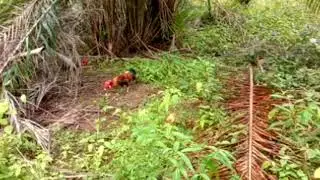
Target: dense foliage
column 176, row 133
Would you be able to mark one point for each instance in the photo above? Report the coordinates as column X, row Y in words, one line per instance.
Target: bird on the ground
column 121, row 80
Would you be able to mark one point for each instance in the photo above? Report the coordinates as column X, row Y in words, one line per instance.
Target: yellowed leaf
column 171, row 118
column 23, row 98
column 116, row 112
column 317, row 173
column 199, row 87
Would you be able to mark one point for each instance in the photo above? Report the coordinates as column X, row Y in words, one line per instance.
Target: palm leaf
column 112, row 27
column 17, row 45
column 259, row 145
column 130, row 25
column 314, row 5
column 13, row 38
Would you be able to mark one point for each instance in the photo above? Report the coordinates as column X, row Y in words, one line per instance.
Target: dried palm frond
column 258, row 145
column 32, row 49
column 39, row 47
column 119, row 27
column 41, row 134
column 13, row 38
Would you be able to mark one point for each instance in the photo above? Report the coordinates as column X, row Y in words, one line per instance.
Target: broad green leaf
column 161, row 144
column 184, row 172
column 199, row 87
column 272, row 113
column 18, row 171
column 192, row 149
column 174, row 162
column 266, row 165
column 313, row 153
column 4, row 106
column 3, row 122
column 305, row 117
column 187, row 161
column 300, row 173
column 8, row 129
column 176, row 146
column 223, row 157
column 177, row 175
column 181, row 135
column 108, row 145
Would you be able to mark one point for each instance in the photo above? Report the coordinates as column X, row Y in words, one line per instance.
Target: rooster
column 121, row 80
column 85, row 61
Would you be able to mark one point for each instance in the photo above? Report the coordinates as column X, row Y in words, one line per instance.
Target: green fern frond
column 314, row 5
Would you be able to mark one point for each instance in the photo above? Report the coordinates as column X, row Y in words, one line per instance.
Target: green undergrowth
column 160, row 139
column 292, row 69
column 20, row 155
column 196, row 78
column 154, row 141
column 286, row 35
column 298, row 123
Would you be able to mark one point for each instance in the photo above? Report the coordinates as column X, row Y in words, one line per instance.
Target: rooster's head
column 108, row 85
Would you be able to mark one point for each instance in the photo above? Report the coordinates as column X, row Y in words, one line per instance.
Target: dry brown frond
column 65, row 28
column 21, row 43
column 12, row 38
column 41, row 134
column 120, row 27
column 259, row 144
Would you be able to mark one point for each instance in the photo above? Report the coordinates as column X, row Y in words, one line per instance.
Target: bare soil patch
column 80, row 112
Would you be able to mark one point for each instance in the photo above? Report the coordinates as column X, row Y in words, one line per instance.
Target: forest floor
column 189, row 116
column 79, row 112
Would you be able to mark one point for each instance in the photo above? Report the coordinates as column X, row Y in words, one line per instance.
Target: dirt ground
column 81, row 112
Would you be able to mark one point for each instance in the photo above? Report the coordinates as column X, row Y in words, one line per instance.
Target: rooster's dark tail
column 133, row 71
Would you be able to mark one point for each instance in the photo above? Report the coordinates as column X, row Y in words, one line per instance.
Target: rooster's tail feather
column 133, row 71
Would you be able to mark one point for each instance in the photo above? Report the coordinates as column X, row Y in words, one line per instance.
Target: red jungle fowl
column 121, row 80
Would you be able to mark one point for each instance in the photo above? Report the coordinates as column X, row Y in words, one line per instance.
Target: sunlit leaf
column 176, row 146
column 3, row 122
column 4, row 107
column 90, row 147
column 177, row 175
column 266, row 165
column 316, row 173
column 8, row 129
column 223, row 157
column 187, row 161
column 174, row 162
column 199, row 87
column 192, row 149
column 23, row 98
column 305, row 117
column 100, row 150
